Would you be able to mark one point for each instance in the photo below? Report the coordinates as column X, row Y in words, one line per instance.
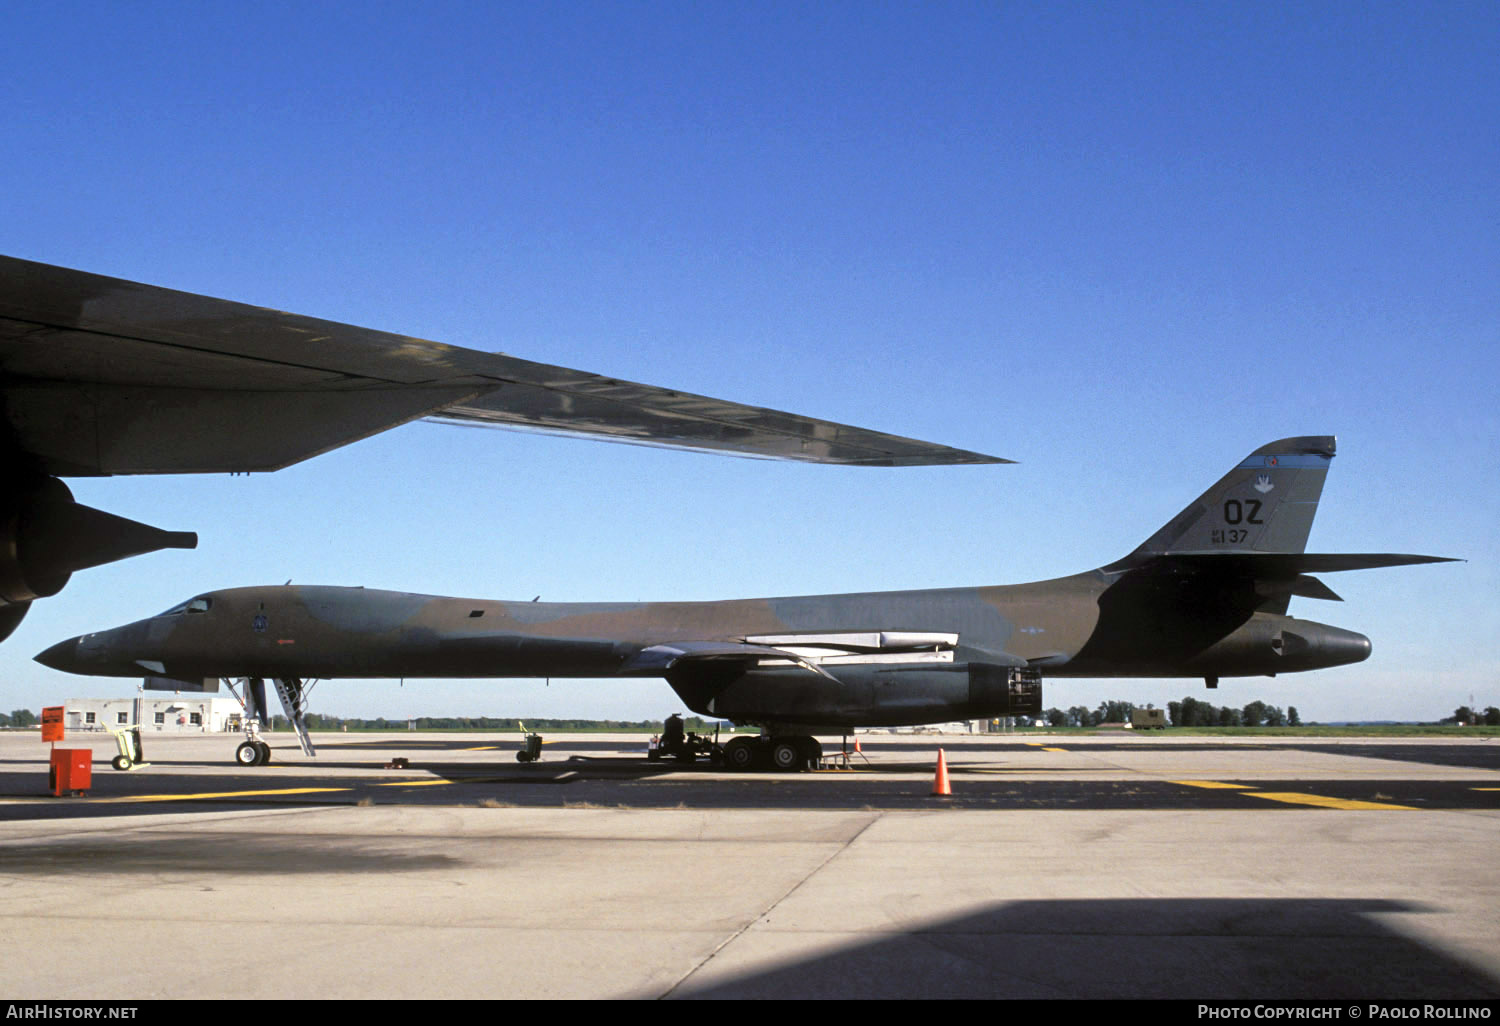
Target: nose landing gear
column 253, row 753
column 293, row 692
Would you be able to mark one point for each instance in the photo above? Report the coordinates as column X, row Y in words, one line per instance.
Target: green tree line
column 1190, row 712
column 1081, row 716
column 1463, row 714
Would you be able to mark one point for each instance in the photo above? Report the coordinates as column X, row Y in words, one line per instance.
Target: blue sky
column 1122, row 244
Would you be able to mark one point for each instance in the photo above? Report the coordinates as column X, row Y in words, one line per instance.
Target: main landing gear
column 781, row 753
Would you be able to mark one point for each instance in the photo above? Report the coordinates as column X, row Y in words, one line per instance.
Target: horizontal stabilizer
column 1282, row 565
column 1274, row 577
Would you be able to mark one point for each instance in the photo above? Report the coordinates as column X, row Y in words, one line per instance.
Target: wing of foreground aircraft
column 102, row 376
column 1206, row 596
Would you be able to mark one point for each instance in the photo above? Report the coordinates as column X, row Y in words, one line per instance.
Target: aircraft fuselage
column 1060, row 627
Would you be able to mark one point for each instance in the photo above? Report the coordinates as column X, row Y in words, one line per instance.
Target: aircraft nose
column 61, row 656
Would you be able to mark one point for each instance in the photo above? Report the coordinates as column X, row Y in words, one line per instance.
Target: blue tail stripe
column 1285, row 461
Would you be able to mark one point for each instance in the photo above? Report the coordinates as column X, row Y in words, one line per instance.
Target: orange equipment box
column 72, row 770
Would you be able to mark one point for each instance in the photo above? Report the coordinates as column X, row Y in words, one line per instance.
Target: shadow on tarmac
column 1246, row 949
column 214, row 853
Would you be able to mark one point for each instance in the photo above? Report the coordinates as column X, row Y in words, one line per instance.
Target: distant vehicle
column 1148, row 719
column 1205, row 596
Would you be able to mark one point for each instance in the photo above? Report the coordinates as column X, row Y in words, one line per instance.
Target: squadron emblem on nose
column 259, row 623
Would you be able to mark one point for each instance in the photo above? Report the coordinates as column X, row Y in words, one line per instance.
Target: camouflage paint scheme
column 1205, row 596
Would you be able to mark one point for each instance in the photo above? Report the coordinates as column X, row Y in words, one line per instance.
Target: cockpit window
column 197, row 605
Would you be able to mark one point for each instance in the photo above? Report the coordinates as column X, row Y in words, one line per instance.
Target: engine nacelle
column 1269, row 644
column 872, row 695
column 29, row 568
column 45, row 536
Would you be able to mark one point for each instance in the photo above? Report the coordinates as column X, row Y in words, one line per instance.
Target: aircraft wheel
column 739, row 754
column 265, row 753
column 786, row 755
column 654, row 755
column 812, row 752
column 521, row 756
column 247, row 754
column 119, row 762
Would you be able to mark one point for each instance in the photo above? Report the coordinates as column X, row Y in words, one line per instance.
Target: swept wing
column 104, row 376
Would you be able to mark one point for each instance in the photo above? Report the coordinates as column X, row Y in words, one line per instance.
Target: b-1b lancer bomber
column 1205, row 596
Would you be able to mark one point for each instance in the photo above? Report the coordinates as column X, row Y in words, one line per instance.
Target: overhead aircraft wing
column 104, row 376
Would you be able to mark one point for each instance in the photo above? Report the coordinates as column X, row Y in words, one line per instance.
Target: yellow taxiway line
column 415, row 783
column 1210, row 783
column 216, row 794
column 1293, row 797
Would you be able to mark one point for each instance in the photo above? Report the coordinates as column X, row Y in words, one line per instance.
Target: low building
column 167, row 714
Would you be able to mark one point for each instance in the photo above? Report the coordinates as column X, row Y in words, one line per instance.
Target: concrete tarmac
column 1104, row 867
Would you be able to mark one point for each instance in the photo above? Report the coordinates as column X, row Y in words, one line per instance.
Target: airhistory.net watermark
column 41, row 1010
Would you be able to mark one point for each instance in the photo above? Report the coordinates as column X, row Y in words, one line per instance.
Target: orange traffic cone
column 940, row 784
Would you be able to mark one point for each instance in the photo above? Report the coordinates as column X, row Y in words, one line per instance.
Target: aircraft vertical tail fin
column 1265, row 504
